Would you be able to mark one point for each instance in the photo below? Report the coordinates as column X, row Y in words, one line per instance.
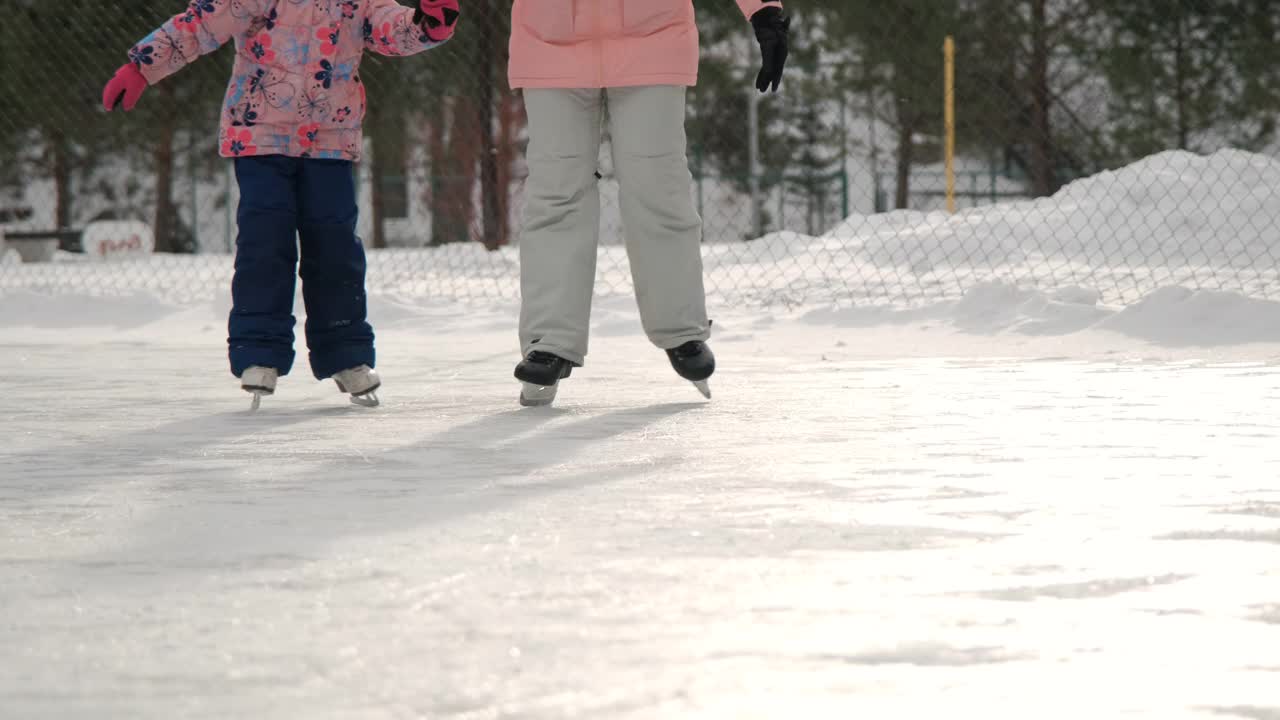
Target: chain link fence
column 1100, row 145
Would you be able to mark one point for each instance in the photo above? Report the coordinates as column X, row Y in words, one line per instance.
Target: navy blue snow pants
column 289, row 203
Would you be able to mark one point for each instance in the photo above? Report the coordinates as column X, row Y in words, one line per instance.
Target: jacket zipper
column 598, row 42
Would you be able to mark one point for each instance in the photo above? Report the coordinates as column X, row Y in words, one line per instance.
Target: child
column 291, row 123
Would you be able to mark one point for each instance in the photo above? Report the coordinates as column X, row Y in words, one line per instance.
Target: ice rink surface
column 881, row 523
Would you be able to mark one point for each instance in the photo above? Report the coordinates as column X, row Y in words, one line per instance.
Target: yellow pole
column 949, row 113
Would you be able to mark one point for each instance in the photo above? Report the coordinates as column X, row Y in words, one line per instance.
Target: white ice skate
column 361, row 383
column 260, row 381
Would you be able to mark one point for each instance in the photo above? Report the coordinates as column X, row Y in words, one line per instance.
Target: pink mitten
column 439, row 18
column 125, row 87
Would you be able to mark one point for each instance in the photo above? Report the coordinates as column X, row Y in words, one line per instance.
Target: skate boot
column 694, row 362
column 260, row 381
column 361, row 383
column 541, row 373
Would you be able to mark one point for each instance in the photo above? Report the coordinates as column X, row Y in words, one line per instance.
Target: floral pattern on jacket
column 296, row 87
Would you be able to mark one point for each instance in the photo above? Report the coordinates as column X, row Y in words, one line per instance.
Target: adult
column 574, row 58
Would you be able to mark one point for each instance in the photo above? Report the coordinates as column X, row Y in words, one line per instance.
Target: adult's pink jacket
column 606, row 43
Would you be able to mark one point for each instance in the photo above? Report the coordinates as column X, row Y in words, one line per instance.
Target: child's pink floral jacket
column 296, row 86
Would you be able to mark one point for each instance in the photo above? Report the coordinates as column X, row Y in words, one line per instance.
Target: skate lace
column 542, row 358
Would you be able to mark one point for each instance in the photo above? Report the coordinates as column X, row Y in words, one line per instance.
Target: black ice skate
column 694, row 362
column 541, row 373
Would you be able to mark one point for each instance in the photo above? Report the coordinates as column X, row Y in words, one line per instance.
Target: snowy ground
column 1015, row 507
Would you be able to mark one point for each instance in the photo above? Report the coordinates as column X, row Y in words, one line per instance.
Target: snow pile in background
column 1172, row 220
column 1177, row 316
column 1175, row 208
column 1173, row 316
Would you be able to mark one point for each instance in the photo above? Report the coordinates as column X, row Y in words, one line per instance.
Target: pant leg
column 333, row 268
column 561, row 221
column 661, row 225
column 260, row 330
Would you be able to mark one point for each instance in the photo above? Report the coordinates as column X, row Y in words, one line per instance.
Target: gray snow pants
column 561, row 230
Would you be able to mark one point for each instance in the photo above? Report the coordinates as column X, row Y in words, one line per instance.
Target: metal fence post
column 949, row 113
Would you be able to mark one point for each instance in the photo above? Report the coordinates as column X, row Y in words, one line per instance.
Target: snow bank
column 1175, row 208
column 1174, row 218
column 1172, row 317
column 1178, row 316
column 30, row 309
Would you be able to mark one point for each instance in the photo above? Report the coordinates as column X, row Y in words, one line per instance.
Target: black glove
column 771, row 25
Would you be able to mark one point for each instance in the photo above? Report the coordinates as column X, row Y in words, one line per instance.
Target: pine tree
column 1190, row 74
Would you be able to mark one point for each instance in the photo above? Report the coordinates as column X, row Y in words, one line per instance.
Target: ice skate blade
column 257, row 402
column 369, row 400
column 537, row 395
column 704, row 387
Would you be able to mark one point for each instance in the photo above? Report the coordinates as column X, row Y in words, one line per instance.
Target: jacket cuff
column 152, row 73
column 751, row 7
